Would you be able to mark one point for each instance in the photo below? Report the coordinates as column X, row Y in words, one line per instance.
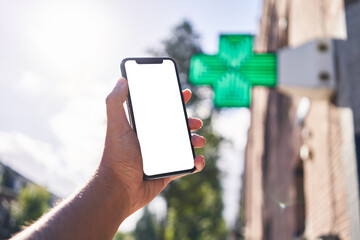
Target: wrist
column 117, row 198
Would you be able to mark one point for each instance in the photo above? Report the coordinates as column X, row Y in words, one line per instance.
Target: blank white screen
column 159, row 117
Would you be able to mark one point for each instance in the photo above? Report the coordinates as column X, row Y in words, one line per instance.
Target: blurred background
column 283, row 167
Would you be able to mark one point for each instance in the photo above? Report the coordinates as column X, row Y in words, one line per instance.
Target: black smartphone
column 157, row 113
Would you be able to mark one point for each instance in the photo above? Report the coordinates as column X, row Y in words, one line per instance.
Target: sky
column 60, row 59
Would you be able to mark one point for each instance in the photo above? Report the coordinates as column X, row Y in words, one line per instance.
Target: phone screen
column 159, row 116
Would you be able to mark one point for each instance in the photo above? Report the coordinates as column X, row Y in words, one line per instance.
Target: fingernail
column 120, row 82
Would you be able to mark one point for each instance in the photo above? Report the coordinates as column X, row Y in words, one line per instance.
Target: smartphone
column 157, row 113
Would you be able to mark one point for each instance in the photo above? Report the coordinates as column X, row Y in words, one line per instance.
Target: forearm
column 118, row 188
column 94, row 213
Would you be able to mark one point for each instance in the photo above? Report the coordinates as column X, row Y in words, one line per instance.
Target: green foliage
column 33, row 201
column 123, row 236
column 194, row 202
column 181, row 45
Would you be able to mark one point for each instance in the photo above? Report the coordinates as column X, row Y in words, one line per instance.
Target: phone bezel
column 157, row 60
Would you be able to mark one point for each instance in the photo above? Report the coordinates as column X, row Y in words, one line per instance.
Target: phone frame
column 157, row 60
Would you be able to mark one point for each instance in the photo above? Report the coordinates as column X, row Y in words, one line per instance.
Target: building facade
column 11, row 184
column 301, row 172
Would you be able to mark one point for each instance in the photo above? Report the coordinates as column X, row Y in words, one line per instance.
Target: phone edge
column 132, row 120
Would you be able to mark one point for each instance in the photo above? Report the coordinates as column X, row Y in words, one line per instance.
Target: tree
column 194, row 203
column 33, row 202
column 123, row 236
column 181, row 45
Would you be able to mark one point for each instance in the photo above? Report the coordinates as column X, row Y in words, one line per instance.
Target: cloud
column 37, row 161
column 72, row 112
column 80, row 129
column 30, row 83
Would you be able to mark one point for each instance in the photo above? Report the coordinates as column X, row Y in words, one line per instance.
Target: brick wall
column 294, row 22
column 325, row 191
column 253, row 187
column 273, row 208
column 282, row 143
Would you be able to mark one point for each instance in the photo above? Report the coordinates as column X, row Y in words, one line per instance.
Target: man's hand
column 116, row 190
column 122, row 158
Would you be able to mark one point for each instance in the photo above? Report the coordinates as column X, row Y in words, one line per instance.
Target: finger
column 187, row 95
column 116, row 117
column 157, row 185
column 198, row 141
column 199, row 163
column 195, row 124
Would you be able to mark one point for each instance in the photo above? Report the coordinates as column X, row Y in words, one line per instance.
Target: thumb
column 117, row 122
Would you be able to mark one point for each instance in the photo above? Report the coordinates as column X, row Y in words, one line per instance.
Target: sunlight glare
column 70, row 36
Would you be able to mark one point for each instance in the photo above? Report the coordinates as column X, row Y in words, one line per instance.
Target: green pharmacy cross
column 233, row 71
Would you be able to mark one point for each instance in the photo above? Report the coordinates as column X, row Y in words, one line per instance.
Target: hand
column 116, row 190
column 122, row 159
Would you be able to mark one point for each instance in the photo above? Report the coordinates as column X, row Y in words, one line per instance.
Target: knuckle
column 109, row 99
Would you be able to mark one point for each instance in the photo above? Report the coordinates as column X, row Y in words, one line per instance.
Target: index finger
column 187, row 95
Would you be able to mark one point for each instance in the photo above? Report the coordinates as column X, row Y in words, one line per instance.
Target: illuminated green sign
column 233, row 71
